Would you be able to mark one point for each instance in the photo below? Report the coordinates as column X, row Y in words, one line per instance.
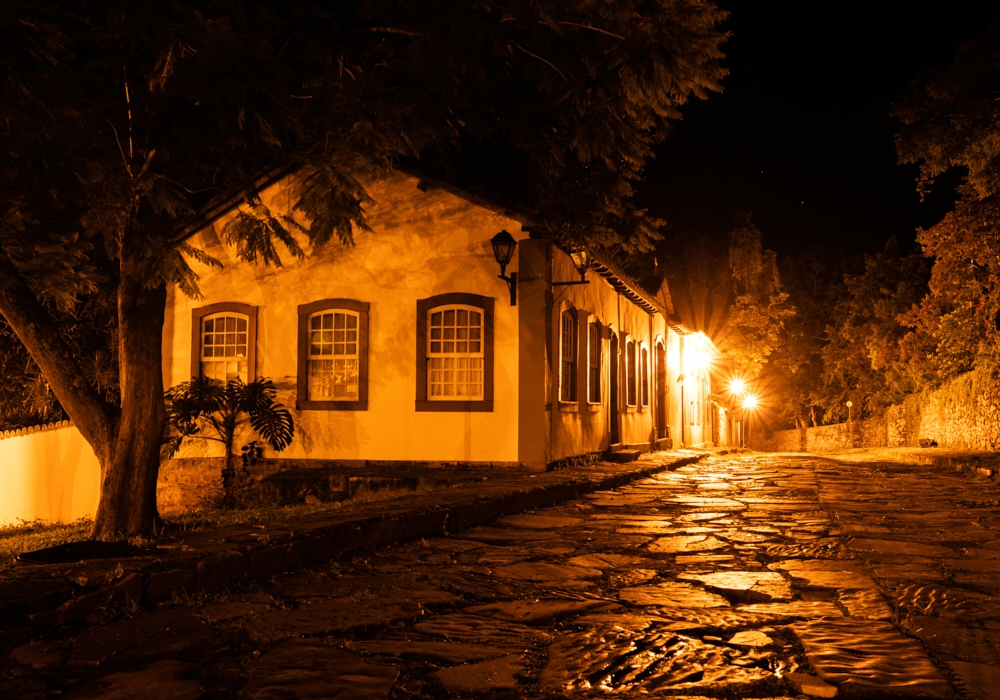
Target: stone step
column 624, row 455
column 318, row 485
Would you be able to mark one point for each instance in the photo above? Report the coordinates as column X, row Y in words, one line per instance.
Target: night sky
column 801, row 136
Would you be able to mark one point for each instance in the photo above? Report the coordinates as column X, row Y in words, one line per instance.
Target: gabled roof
column 223, row 204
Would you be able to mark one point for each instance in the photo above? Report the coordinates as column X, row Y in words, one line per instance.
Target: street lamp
column 503, row 250
column 849, row 404
column 749, row 405
column 581, row 261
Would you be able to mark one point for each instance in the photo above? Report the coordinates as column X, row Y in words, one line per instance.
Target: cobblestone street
column 740, row 576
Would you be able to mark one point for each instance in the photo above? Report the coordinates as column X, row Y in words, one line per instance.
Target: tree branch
column 394, row 30
column 40, row 336
column 571, row 24
column 550, row 65
column 593, row 29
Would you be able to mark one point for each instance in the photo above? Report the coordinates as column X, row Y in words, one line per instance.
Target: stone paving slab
column 211, row 560
column 927, row 531
column 584, row 608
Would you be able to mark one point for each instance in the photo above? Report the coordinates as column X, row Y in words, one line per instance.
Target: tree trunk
column 129, row 471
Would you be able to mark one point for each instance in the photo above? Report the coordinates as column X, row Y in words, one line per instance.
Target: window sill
column 631, row 409
column 332, row 405
column 594, row 407
column 424, row 406
column 569, row 406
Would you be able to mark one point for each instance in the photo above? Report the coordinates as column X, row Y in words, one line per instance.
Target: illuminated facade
column 405, row 347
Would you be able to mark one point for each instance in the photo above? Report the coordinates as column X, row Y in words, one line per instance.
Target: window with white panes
column 455, row 353
column 224, row 347
column 333, row 356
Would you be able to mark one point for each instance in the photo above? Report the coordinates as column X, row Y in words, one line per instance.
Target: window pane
column 223, row 350
column 333, row 357
column 333, row 380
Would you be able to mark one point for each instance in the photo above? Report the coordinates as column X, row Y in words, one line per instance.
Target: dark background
column 801, row 136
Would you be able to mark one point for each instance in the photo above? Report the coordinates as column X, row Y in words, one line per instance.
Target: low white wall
column 49, row 474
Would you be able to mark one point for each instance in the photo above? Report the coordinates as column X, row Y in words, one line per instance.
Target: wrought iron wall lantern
column 581, row 261
column 503, row 250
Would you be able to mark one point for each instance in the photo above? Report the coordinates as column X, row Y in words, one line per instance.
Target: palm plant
column 207, row 409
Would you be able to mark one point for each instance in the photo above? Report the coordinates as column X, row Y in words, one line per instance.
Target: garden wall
column 962, row 414
column 47, row 472
column 50, row 472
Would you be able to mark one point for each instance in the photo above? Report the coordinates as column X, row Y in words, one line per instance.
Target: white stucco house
column 407, row 346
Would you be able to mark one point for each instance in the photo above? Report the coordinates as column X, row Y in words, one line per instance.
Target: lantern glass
column 503, row 247
column 580, row 260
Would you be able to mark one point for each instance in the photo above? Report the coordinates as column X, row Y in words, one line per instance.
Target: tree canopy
column 949, row 120
column 123, row 120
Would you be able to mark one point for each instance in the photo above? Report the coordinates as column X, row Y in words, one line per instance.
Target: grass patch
column 38, row 534
column 27, row 536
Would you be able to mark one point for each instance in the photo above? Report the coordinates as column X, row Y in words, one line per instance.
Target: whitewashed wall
column 49, row 474
column 422, row 243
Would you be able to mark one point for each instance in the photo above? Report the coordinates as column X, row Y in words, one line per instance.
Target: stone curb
column 33, row 598
column 978, row 463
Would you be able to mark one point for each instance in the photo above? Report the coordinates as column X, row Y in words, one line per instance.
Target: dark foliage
column 209, row 410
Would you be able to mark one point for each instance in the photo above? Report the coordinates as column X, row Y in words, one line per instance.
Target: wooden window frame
column 302, row 401
column 595, row 386
column 569, row 379
column 644, row 376
column 631, row 380
column 424, row 405
column 231, row 307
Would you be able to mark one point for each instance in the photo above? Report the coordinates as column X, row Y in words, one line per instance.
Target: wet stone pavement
column 726, row 578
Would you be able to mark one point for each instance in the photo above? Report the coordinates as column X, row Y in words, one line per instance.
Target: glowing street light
column 750, row 402
column 737, row 386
